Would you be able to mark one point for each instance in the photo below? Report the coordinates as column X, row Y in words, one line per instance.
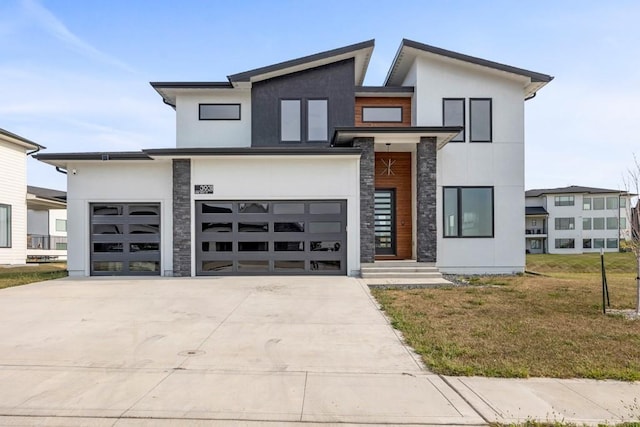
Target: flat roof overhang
column 344, row 136
column 41, row 204
column 62, row 159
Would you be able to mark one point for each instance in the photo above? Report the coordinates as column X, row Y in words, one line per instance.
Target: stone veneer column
column 367, row 198
column 427, row 244
column 182, row 217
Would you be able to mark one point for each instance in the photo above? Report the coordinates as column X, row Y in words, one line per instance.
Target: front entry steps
column 402, row 274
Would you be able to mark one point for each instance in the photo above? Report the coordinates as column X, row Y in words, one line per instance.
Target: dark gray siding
column 334, row 82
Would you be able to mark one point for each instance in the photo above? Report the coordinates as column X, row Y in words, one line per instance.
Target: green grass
column 521, row 326
column 615, row 262
column 16, row 276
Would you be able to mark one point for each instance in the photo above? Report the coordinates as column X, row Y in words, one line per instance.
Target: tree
column 632, row 184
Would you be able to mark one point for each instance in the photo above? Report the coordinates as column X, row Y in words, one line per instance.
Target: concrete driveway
column 221, row 351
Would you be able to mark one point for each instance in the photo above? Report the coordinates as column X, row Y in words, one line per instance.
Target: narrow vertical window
column 290, row 120
column 451, row 212
column 453, row 115
column 5, row 226
column 480, row 119
column 317, row 121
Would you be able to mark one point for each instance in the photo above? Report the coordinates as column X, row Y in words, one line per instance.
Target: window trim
column 374, row 107
column 463, row 132
column 459, row 208
column 9, row 226
column 304, row 111
column 471, row 139
column 219, row 104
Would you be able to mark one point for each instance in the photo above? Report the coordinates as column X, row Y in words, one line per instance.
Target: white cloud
column 55, row 27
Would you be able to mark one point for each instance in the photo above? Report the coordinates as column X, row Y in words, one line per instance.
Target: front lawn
column 15, row 276
column 520, row 326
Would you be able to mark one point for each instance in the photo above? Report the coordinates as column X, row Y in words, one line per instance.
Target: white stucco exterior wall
column 499, row 164
column 116, row 181
column 13, row 176
column 285, row 178
column 192, row 132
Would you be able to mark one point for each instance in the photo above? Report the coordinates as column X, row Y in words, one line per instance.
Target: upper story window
column 480, row 120
column 219, row 112
column 586, row 204
column 598, row 203
column 612, row 202
column 61, row 225
column 564, row 200
column 382, row 114
column 453, row 115
column 291, row 120
column 317, row 120
column 623, row 202
column 565, row 223
column 5, row 226
column 468, row 211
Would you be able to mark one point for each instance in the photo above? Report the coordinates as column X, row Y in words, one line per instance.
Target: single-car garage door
column 125, row 239
column 271, row 237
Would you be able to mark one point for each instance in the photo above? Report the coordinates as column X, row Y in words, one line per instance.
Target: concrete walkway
column 243, row 352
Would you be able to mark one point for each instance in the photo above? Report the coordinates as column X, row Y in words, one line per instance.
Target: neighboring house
column 576, row 219
column 14, row 150
column 297, row 168
column 46, row 224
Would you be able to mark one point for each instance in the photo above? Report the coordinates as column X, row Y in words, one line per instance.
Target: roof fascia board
column 12, row 138
column 307, row 62
column 534, row 76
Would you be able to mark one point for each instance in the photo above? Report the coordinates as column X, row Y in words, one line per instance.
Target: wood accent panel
column 400, row 180
column 364, row 101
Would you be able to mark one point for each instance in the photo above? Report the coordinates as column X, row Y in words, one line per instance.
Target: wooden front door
column 393, row 175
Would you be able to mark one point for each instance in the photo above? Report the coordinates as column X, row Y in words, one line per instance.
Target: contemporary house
column 297, row 168
column 46, row 224
column 14, row 150
column 576, row 219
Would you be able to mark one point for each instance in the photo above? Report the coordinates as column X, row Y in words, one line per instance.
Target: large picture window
column 564, row 200
column 306, row 121
column 480, row 119
column 468, row 211
column 453, row 115
column 5, row 226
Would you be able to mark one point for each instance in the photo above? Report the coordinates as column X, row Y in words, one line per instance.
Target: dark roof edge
column 122, row 155
column 398, row 129
column 535, row 76
column 385, row 89
column 246, row 75
column 251, row 151
column 536, row 192
column 188, row 85
column 35, row 145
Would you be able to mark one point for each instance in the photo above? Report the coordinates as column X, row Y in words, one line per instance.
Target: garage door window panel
column 125, row 239
column 289, row 246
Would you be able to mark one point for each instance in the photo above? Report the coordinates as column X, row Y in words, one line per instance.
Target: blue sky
column 74, row 73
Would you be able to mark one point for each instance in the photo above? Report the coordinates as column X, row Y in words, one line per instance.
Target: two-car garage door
column 271, row 237
column 231, row 238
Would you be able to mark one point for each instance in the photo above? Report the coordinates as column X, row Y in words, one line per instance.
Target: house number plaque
column 203, row 189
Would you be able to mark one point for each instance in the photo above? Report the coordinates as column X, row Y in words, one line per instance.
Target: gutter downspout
column 59, row 169
column 532, row 96
column 34, row 151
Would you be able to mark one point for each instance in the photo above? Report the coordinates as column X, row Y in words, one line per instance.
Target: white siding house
column 575, row 220
column 13, row 196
